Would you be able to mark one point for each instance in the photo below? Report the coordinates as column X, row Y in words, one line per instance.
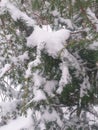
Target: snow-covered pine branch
column 50, row 75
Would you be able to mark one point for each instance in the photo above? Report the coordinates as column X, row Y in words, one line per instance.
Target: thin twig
column 84, row 12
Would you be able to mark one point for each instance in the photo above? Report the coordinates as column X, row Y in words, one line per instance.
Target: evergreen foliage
column 60, row 87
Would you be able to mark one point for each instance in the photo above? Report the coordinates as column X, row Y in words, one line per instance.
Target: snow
column 19, row 59
column 54, row 41
column 54, row 44
column 49, row 87
column 34, row 63
column 26, row 122
column 7, row 107
column 65, row 78
column 38, row 80
column 19, row 123
column 39, row 95
column 93, row 46
column 51, row 116
column 84, row 86
column 92, row 18
column 66, row 22
column 28, row 73
column 93, row 119
column 48, row 115
column 55, row 13
column 23, row 57
column 16, row 14
column 47, row 28
column 4, row 70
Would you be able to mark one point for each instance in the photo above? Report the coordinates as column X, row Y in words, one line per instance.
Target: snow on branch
column 80, row 71
column 65, row 78
column 52, row 42
column 6, row 107
column 5, row 69
column 93, row 46
column 21, row 58
column 91, row 16
column 15, row 13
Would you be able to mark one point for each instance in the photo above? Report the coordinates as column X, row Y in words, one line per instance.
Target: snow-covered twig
column 15, row 13
column 92, row 111
column 6, row 69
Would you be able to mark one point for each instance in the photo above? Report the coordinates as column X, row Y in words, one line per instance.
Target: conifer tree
column 49, row 63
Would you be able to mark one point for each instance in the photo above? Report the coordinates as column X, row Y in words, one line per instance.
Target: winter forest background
column 48, row 64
